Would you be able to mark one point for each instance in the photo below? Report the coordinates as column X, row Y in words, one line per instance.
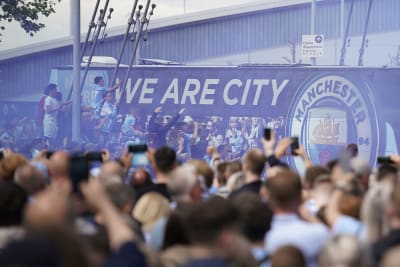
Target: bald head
column 59, row 164
column 30, row 178
column 111, row 172
column 51, row 207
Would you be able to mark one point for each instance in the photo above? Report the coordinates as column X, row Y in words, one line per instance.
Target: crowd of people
column 67, row 208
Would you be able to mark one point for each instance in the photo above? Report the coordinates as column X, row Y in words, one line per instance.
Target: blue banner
column 327, row 108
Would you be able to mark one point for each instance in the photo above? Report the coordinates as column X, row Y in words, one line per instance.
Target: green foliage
column 26, row 12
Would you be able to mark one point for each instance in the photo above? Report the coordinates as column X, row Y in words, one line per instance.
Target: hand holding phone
column 294, row 145
column 78, row 170
column 384, row 160
column 139, row 154
column 95, row 156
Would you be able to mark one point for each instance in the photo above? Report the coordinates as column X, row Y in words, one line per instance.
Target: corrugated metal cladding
column 266, row 29
column 215, row 37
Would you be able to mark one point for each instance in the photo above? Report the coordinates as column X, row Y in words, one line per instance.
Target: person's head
column 341, row 251
column 207, row 222
column 122, row 196
column 312, row 174
column 99, row 80
column 220, row 173
column 253, row 162
column 255, row 120
column 175, row 232
column 9, row 164
column 352, row 149
column 165, row 159
column 234, row 126
column 255, row 216
column 284, row 191
column 12, row 203
column 140, row 178
column 111, row 172
column 150, row 208
column 51, row 207
column 288, row 256
column 185, row 185
column 108, row 96
column 387, row 172
column 59, row 165
column 235, row 181
column 203, row 169
column 52, row 89
column 30, row 178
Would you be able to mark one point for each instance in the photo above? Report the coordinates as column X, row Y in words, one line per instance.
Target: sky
column 58, row 24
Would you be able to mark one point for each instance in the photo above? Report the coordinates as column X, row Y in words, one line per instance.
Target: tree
column 26, row 12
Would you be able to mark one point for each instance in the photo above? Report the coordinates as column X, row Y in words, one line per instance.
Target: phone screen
column 78, row 171
column 385, row 160
column 294, row 145
column 267, row 134
column 139, row 154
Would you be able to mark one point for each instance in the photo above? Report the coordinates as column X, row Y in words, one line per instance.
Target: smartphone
column 78, row 170
column 294, row 145
column 384, row 160
column 94, row 156
column 1, row 154
column 139, row 154
column 49, row 154
column 267, row 134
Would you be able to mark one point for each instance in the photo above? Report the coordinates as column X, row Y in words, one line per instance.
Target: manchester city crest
column 330, row 112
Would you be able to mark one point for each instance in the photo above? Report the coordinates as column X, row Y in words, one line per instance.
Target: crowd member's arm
column 126, row 161
column 122, row 239
column 115, row 86
column 195, row 132
column 152, row 124
column 174, row 119
column 280, row 150
column 303, row 155
column 215, row 157
column 118, row 231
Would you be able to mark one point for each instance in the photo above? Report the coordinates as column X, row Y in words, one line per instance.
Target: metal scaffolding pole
column 76, row 100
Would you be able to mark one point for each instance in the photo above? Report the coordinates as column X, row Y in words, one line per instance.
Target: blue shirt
column 289, row 229
column 129, row 122
column 98, row 97
column 108, row 111
column 348, row 225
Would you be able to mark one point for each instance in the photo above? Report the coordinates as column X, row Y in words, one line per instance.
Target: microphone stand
column 360, row 59
column 343, row 51
column 144, row 20
column 104, row 34
column 89, row 32
column 100, row 25
column 131, row 21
